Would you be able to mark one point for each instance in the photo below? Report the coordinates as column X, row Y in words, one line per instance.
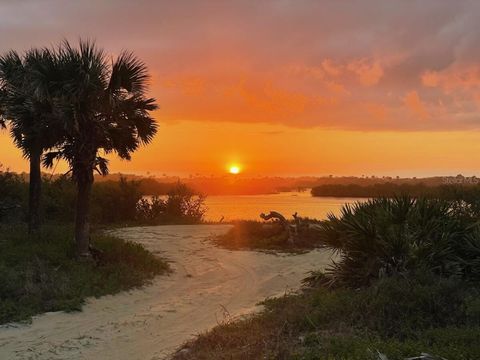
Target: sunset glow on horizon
column 286, row 89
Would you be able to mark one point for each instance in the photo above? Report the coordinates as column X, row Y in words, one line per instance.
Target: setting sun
column 234, row 169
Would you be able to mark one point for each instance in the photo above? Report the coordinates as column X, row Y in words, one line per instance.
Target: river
column 249, row 207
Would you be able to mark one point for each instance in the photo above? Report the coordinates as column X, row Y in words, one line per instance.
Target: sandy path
column 150, row 323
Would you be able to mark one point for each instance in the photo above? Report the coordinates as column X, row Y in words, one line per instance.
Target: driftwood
column 293, row 230
column 283, row 222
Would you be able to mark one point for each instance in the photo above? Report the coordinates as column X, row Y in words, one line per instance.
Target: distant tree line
column 446, row 191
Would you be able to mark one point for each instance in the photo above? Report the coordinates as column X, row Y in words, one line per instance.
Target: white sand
column 150, row 323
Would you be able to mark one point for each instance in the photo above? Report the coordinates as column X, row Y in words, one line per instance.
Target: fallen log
column 282, row 221
column 294, row 230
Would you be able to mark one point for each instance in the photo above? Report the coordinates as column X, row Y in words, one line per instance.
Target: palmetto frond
column 386, row 236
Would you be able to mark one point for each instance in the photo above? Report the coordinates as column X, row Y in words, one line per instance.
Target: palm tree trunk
column 82, row 224
column 35, row 188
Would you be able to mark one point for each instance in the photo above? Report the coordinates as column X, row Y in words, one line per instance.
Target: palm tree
column 26, row 105
column 105, row 110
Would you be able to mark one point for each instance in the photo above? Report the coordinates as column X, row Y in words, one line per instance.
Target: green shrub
column 113, row 202
column 383, row 237
column 181, row 206
column 13, row 196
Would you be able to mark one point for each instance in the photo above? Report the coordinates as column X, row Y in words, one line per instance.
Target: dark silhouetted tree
column 26, row 105
column 105, row 110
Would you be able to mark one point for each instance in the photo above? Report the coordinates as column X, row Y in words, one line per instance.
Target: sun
column 234, row 169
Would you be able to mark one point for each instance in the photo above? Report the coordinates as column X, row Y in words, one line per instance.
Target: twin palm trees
column 72, row 103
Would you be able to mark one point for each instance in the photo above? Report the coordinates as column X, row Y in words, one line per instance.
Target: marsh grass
column 41, row 275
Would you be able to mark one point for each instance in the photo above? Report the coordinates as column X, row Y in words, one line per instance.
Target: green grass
column 259, row 236
column 397, row 317
column 41, row 275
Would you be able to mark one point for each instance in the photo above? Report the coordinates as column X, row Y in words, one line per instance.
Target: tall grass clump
column 397, row 236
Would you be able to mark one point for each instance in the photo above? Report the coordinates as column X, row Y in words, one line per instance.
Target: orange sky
column 286, row 87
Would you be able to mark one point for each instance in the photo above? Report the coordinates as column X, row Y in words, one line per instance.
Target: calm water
column 249, row 207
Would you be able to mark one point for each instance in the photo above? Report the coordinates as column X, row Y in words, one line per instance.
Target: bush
column 112, row 201
column 151, row 210
column 115, row 201
column 384, row 237
column 58, row 199
column 398, row 307
column 182, row 205
column 13, row 196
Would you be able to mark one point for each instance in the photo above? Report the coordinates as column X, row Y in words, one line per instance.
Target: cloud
column 430, row 78
column 368, row 73
column 352, row 65
column 415, row 105
column 331, row 68
column 465, row 78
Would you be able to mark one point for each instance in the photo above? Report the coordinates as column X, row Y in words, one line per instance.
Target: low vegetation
column 371, row 190
column 181, row 206
column 406, row 284
column 469, row 192
column 113, row 202
column 385, row 237
column 260, row 236
column 395, row 317
column 42, row 274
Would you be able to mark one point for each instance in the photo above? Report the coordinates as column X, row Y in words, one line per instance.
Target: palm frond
column 49, row 158
column 72, row 100
column 101, row 165
column 129, row 73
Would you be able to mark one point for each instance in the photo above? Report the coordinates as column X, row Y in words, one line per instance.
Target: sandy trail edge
column 150, row 323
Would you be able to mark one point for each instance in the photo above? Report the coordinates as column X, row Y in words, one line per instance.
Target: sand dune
column 208, row 284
